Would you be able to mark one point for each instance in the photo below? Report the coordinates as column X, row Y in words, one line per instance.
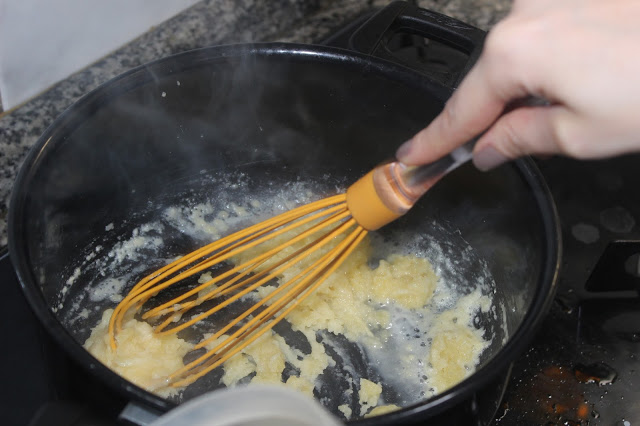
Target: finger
column 482, row 96
column 524, row 131
column 460, row 120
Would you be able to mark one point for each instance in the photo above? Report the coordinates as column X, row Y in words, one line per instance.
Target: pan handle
column 447, row 38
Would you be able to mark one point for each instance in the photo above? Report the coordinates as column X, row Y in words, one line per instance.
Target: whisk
column 378, row 198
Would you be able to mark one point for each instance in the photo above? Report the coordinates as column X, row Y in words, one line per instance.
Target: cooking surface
column 581, row 367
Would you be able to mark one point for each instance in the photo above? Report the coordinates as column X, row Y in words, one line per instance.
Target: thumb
column 523, row 131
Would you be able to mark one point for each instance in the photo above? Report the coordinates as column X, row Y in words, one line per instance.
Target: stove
column 583, row 365
column 581, row 368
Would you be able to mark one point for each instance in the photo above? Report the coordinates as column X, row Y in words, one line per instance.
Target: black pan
column 277, row 113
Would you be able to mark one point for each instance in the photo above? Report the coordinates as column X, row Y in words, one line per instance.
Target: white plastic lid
column 253, row 405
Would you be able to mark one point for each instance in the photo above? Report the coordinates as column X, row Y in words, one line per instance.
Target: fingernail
column 404, row 150
column 488, row 158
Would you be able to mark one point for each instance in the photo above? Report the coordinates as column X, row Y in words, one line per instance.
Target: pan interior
column 167, row 135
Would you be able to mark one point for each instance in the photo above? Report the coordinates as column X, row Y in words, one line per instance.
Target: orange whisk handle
column 390, row 190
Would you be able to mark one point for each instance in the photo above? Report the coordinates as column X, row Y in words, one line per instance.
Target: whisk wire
column 272, row 272
column 312, row 277
column 241, row 240
column 228, row 288
column 217, row 259
column 255, row 261
column 269, row 254
column 314, row 267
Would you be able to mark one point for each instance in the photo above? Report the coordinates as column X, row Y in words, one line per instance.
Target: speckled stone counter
column 210, row 22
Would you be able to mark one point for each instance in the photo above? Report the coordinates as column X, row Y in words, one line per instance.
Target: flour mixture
column 389, row 328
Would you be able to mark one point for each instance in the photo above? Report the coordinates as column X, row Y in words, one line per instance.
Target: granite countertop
column 210, row 22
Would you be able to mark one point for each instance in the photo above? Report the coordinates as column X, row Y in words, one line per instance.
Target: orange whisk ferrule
column 390, row 190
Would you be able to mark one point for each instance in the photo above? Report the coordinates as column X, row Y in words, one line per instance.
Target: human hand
column 579, row 55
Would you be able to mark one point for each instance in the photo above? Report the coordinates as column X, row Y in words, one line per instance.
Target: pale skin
column 582, row 56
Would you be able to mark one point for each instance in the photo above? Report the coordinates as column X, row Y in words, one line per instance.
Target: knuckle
column 510, row 45
column 512, row 142
column 570, row 137
column 566, row 142
column 449, row 115
column 518, row 5
column 421, row 139
column 452, row 124
column 498, row 43
column 502, row 54
column 511, row 59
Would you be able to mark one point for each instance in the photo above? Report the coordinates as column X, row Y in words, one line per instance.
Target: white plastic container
column 250, row 406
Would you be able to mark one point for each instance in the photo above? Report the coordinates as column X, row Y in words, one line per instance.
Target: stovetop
column 581, row 368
